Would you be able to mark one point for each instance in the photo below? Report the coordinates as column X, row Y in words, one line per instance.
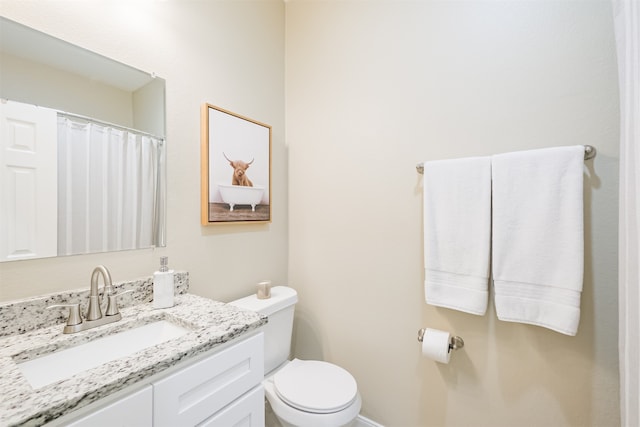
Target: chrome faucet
column 94, row 316
column 94, row 312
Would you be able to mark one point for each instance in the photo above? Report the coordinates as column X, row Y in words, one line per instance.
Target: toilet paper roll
column 435, row 345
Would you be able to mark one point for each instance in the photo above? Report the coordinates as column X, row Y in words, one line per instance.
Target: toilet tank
column 277, row 332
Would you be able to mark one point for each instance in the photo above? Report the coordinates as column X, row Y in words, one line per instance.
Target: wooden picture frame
column 235, row 168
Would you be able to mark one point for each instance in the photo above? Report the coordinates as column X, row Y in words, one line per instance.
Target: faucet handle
column 74, row 313
column 112, row 303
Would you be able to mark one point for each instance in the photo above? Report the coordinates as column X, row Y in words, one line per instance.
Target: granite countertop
column 211, row 324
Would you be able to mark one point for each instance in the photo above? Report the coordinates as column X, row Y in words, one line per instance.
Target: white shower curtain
column 108, row 187
column 627, row 28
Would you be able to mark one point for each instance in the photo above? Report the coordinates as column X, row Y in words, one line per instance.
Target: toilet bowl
column 302, row 393
column 313, row 393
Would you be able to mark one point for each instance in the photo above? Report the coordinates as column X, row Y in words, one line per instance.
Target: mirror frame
column 238, row 202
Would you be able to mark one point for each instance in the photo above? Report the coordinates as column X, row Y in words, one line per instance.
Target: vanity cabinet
column 132, row 410
column 219, row 389
column 193, row 394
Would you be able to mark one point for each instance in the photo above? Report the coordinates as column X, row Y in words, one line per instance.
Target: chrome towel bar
column 589, row 153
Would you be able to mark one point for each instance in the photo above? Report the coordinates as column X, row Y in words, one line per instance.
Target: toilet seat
column 315, row 386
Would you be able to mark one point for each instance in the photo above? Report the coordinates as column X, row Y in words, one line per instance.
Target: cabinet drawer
column 192, row 395
column 248, row 411
column 132, row 410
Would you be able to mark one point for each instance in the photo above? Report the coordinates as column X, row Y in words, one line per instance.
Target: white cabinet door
column 195, row 393
column 28, row 181
column 135, row 410
column 248, row 411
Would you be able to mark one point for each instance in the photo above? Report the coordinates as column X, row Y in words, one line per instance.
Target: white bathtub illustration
column 238, row 195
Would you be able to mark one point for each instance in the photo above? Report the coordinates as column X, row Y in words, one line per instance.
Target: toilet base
column 291, row 417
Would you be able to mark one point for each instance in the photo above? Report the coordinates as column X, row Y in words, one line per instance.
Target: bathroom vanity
column 210, row 373
column 219, row 388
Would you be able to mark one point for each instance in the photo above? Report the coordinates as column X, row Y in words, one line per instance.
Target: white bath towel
column 457, row 233
column 538, row 247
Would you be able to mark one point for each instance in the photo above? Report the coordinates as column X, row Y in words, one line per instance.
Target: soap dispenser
column 163, row 285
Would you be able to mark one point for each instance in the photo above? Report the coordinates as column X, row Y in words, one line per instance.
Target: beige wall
column 35, row 83
column 227, row 53
column 145, row 116
column 372, row 88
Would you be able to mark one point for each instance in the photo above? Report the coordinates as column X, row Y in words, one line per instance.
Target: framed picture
column 235, row 168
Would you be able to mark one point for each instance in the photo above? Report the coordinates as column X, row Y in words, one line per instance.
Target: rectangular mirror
column 78, row 91
column 236, row 168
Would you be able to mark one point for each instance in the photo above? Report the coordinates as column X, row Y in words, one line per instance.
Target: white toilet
column 302, row 393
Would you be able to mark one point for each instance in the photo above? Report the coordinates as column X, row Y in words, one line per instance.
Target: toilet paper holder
column 455, row 342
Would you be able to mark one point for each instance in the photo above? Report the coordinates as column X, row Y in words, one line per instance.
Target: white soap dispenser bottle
column 163, row 285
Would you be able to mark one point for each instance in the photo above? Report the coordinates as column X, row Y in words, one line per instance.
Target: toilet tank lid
column 281, row 297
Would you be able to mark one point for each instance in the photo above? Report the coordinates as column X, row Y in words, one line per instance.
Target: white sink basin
column 66, row 363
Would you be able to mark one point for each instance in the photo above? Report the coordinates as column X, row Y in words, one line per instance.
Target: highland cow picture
column 236, row 168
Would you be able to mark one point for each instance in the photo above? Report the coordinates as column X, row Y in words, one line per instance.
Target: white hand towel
column 538, row 245
column 457, row 233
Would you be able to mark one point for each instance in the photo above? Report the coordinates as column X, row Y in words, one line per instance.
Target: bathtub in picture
column 238, row 195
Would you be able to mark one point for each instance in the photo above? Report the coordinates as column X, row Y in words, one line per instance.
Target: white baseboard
column 366, row 422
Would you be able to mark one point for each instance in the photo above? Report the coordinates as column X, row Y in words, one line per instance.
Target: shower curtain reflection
column 109, row 185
